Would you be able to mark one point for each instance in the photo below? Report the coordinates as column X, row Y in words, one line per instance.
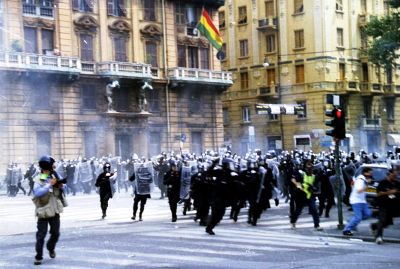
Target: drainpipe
column 166, row 75
column 279, row 72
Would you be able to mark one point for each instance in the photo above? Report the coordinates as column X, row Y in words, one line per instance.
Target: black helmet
column 46, row 163
column 107, row 167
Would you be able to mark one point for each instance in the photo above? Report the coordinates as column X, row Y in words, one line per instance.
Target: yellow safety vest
column 308, row 181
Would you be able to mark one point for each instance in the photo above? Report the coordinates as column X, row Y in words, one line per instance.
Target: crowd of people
column 211, row 183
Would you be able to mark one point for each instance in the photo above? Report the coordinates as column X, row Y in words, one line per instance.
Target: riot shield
column 85, row 172
column 186, row 176
column 144, row 178
column 14, row 176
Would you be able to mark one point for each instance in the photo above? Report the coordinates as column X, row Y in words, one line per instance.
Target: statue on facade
column 109, row 90
column 142, row 96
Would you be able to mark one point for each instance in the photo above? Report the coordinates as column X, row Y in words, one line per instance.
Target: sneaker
column 348, row 233
column 379, row 240
column 319, row 228
column 52, row 254
column 38, row 261
column 292, row 226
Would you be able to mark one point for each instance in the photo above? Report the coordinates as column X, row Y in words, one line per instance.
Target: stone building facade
column 57, row 58
column 297, row 52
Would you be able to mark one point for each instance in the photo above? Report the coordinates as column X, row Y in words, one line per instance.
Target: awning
column 393, row 139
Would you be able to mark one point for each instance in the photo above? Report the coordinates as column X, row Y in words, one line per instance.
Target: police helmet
column 46, row 163
column 107, row 167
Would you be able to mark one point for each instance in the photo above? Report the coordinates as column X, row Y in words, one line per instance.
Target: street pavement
column 118, row 242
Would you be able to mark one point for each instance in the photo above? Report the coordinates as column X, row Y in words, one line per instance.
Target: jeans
column 300, row 204
column 361, row 212
column 42, row 226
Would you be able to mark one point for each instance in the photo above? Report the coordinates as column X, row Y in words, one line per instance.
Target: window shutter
column 75, row 4
column 121, row 8
column 86, row 47
column 110, row 7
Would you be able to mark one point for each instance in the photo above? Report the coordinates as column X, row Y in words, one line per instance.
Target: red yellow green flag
column 208, row 29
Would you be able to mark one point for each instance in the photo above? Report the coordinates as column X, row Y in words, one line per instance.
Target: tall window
column 244, row 48
column 181, row 56
column 270, row 43
column 390, row 108
column 116, row 8
column 43, row 143
column 90, row 143
column 367, row 102
column 204, row 58
column 298, row 6
column 246, row 114
column 339, row 5
column 86, row 42
column 120, row 49
column 83, row 5
column 155, row 143
column 244, row 80
column 225, row 113
column 269, row 8
column 304, row 114
column 197, row 143
column 179, row 13
column 41, row 90
column 299, row 74
column 363, row 6
column 339, row 34
column 195, row 103
column 270, row 77
column 153, row 98
column 30, row 37
column 221, row 18
column 365, row 73
column 151, row 53
column 88, row 93
column 149, row 10
column 193, row 57
column 299, row 39
column 47, row 41
column 342, row 71
column 242, row 15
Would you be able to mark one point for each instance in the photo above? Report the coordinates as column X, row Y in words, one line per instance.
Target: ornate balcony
column 391, row 89
column 35, row 62
column 347, row 86
column 122, row 69
column 200, row 76
column 37, row 10
column 267, row 24
column 268, row 91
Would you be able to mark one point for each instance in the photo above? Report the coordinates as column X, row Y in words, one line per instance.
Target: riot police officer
column 104, row 181
column 172, row 180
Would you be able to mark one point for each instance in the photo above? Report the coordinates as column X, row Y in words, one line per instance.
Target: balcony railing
column 17, row 60
column 37, row 10
column 124, row 69
column 267, row 23
column 270, row 91
column 348, row 86
column 200, row 75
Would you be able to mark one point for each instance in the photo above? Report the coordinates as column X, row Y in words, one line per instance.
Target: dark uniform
column 200, row 192
column 172, row 180
column 104, row 182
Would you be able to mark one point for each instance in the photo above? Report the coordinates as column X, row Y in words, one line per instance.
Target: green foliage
column 385, row 33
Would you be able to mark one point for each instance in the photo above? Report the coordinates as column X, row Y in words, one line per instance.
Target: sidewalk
column 390, row 235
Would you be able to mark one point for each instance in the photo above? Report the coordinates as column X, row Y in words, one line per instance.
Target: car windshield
column 378, row 173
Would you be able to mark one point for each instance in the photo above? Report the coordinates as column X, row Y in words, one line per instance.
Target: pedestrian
column 307, row 190
column 104, row 181
column 49, row 201
column 358, row 201
column 388, row 193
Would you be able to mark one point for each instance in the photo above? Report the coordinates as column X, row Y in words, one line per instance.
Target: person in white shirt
column 358, row 201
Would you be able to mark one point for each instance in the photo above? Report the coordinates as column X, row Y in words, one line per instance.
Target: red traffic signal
column 338, row 122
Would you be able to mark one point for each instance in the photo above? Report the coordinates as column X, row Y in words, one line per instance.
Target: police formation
column 210, row 183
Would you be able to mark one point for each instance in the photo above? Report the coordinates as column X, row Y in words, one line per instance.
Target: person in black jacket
column 172, row 180
column 144, row 177
column 104, row 181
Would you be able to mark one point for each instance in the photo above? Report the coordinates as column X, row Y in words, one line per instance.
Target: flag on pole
column 207, row 28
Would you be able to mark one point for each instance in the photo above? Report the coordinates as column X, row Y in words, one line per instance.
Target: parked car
column 379, row 173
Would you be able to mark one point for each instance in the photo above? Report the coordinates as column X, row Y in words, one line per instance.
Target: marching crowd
column 212, row 182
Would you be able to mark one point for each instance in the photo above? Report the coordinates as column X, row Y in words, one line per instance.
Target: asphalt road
column 88, row 242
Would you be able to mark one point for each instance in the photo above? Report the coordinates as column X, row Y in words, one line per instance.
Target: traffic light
column 338, row 123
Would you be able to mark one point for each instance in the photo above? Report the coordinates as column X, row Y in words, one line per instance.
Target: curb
column 365, row 238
